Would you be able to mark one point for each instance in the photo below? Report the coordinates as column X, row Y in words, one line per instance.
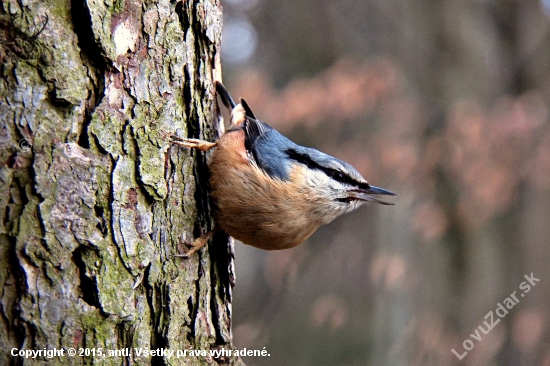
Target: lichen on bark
column 95, row 201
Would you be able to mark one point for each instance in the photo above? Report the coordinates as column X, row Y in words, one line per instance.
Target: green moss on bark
column 101, row 201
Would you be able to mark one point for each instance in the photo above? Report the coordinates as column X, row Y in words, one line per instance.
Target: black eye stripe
column 340, row 177
column 335, row 174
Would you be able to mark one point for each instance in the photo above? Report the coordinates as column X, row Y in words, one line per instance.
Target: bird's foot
column 201, row 145
column 196, row 245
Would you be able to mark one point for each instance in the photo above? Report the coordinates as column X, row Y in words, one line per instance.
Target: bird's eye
column 335, row 174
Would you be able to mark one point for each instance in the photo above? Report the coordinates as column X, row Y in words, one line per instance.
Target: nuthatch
column 269, row 192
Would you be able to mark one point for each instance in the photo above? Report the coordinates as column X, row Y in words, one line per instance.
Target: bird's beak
column 364, row 194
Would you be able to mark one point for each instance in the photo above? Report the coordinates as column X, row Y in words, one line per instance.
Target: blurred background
column 445, row 102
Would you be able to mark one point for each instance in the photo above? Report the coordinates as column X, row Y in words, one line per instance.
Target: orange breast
column 254, row 208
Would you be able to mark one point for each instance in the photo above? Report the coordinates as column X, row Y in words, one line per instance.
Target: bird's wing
column 267, row 148
column 254, row 129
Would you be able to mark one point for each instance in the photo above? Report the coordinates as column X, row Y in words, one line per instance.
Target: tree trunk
column 94, row 199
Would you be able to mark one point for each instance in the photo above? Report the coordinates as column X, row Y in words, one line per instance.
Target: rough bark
column 94, row 200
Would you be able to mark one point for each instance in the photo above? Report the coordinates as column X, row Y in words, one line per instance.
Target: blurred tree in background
column 444, row 102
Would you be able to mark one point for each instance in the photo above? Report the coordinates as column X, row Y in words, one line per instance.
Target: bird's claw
column 196, row 245
column 201, row 145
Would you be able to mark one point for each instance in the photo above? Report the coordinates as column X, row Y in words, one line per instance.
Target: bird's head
column 339, row 187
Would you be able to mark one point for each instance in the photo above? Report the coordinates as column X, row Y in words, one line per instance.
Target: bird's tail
column 226, row 97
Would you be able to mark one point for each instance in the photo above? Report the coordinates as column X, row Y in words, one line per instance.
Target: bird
column 269, row 192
